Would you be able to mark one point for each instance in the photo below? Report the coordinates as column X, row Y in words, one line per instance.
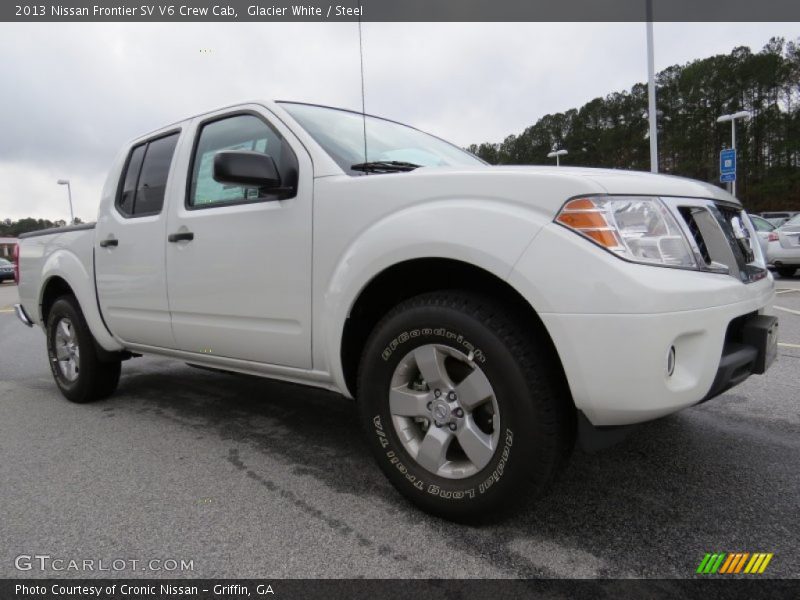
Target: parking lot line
column 789, row 310
column 788, row 345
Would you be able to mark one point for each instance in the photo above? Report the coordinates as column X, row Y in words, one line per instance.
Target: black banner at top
column 400, row 10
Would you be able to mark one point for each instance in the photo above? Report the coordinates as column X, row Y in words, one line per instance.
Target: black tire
column 536, row 416
column 786, row 272
column 95, row 379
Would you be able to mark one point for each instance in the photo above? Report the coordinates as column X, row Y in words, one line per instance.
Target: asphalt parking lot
column 251, row 478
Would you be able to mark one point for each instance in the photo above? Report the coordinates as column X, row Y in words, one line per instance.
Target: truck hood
column 613, row 181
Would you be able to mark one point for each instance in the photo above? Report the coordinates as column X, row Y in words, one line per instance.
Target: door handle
column 109, row 242
column 183, row 236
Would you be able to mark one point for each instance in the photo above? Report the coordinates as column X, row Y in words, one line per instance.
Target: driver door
column 239, row 260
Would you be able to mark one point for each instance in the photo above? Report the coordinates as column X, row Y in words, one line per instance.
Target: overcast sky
column 72, row 94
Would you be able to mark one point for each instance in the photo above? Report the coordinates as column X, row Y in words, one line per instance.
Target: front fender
column 491, row 237
column 66, row 265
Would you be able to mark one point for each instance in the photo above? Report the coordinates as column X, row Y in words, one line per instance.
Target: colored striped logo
column 734, row 562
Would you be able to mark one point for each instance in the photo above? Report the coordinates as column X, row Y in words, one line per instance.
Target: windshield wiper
column 384, row 166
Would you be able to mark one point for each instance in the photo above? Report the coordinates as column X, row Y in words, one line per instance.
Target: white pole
column 71, row 214
column 733, row 145
column 69, row 195
column 558, row 160
column 651, row 91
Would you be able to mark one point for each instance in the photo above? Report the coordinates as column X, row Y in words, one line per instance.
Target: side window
column 128, row 191
column 145, row 180
column 153, row 177
column 240, row 132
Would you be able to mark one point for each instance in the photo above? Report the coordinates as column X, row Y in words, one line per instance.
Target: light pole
column 651, row 91
column 742, row 114
column 557, row 154
column 69, row 194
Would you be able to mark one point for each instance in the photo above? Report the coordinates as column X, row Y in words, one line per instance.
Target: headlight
column 640, row 229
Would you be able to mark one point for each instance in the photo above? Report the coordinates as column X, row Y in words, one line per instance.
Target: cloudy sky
column 72, row 94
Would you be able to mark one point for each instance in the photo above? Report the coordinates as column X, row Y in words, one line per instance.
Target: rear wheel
column 787, row 271
column 460, row 409
column 79, row 373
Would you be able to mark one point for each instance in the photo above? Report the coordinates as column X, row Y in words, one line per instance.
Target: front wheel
column 78, row 371
column 461, row 410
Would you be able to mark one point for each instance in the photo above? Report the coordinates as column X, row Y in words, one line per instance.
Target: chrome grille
column 719, row 238
column 687, row 213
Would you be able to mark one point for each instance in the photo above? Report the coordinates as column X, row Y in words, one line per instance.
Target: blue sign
column 727, row 165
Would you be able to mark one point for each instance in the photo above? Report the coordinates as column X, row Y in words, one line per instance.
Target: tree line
column 612, row 132
column 9, row 228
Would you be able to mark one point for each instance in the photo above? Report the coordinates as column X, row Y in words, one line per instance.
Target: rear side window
column 145, row 180
column 128, row 192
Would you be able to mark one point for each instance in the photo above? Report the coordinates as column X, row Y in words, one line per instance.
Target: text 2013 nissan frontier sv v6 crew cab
column 483, row 317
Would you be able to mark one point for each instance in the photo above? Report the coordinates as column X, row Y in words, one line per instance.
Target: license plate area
column 761, row 332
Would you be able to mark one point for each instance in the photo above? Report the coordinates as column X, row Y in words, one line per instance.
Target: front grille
column 720, row 240
column 688, row 216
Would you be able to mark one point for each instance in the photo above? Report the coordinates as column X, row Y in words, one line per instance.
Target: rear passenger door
column 129, row 247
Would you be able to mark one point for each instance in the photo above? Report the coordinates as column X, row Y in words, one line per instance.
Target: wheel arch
column 63, row 273
column 52, row 289
column 410, row 278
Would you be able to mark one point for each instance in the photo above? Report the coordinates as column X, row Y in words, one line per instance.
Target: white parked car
column 483, row 317
column 778, row 217
column 763, row 230
column 783, row 252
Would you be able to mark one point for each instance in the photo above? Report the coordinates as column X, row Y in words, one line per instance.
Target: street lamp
column 69, row 194
column 557, row 154
column 742, row 114
column 651, row 90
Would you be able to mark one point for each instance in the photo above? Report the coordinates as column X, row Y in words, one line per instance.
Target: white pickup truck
column 484, row 317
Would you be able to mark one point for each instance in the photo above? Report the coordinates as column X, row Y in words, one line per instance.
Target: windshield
column 341, row 135
column 795, row 220
column 761, row 224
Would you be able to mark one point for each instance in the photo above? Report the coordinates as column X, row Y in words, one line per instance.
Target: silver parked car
column 783, row 250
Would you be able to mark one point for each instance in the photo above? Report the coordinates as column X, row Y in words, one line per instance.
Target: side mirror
column 246, row 168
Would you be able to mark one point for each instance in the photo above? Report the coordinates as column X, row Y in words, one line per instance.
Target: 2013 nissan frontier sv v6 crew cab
column 482, row 317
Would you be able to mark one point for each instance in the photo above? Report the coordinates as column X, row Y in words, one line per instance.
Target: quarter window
column 240, row 132
column 128, row 193
column 145, row 180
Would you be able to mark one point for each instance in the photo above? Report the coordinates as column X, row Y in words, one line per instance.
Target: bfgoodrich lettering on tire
column 460, row 407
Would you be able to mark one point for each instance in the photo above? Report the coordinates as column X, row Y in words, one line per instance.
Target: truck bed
column 60, row 251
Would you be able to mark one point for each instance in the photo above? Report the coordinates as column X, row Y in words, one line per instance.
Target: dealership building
column 7, row 246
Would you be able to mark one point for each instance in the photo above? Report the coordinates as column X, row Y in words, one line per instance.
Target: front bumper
column 613, row 324
column 619, row 367
column 751, row 345
column 750, row 348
